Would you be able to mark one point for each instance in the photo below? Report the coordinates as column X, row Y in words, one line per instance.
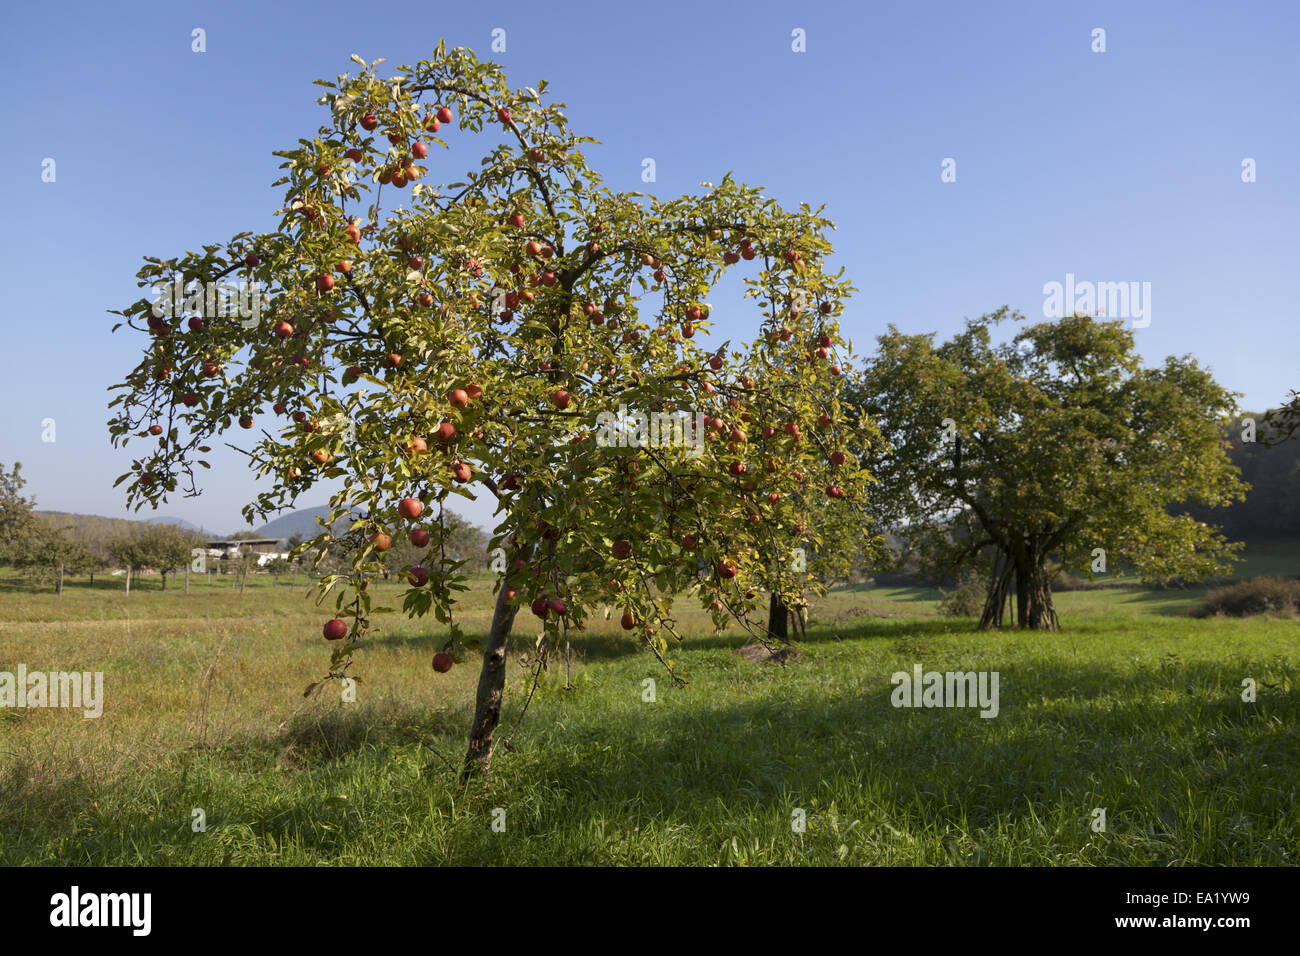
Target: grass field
column 1133, row 707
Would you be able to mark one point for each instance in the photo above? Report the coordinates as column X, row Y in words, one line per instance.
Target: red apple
column 444, row 115
column 325, row 283
column 462, row 472
column 560, row 398
column 420, row 537
column 442, row 662
column 458, row 398
column 541, row 607
column 838, row 458
column 726, row 569
column 369, row 122
column 517, row 220
column 558, row 607
column 504, row 116
column 621, row 549
column 628, row 620
column 410, row 508
column 381, row 541
column 336, row 629
column 419, row 150
column 252, row 261
column 446, row 433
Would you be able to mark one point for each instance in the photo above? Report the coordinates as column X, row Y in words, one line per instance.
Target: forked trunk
column 491, row 690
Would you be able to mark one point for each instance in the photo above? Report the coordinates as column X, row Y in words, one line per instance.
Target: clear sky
column 1117, row 166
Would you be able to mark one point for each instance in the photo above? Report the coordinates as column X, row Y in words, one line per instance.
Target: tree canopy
column 480, row 334
column 1056, row 444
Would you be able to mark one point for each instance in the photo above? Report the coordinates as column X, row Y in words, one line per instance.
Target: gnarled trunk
column 1025, row 566
column 1034, row 596
column 491, row 690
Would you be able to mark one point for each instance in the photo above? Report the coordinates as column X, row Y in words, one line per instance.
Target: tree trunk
column 92, row 578
column 778, row 618
column 163, row 575
column 128, row 580
column 187, row 579
column 995, row 600
column 59, row 589
column 491, row 690
column 1034, row 609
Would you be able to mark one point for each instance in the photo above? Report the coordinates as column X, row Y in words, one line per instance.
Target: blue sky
column 1115, row 166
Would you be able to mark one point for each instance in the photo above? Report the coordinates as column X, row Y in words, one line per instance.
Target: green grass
column 1132, row 707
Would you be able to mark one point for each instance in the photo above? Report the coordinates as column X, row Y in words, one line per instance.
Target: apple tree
column 521, row 331
column 1055, row 446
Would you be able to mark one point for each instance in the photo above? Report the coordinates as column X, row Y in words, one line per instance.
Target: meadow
column 1133, row 707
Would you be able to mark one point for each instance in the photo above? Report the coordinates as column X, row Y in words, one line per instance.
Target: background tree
column 15, row 513
column 128, row 551
column 1051, row 445
column 1270, row 512
column 472, row 335
column 277, row 566
column 1282, row 423
column 50, row 551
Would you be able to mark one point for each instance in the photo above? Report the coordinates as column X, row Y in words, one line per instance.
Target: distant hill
column 76, row 519
column 303, row 521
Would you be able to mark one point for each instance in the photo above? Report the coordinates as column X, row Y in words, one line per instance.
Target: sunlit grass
column 1132, row 707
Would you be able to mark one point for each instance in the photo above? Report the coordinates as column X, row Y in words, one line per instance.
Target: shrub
column 1256, row 596
column 967, row 598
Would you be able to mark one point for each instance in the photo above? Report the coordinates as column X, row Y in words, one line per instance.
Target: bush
column 967, row 598
column 1256, row 596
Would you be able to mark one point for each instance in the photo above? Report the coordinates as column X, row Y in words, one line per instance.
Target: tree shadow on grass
column 1062, row 734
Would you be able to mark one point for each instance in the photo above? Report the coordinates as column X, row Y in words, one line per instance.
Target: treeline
column 1271, row 510
column 49, row 546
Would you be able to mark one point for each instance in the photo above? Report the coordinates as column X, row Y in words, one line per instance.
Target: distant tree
column 49, row 551
column 1055, row 444
column 15, row 512
column 1271, row 469
column 1282, row 424
column 126, row 549
column 245, row 536
column 168, row 547
column 278, row 566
